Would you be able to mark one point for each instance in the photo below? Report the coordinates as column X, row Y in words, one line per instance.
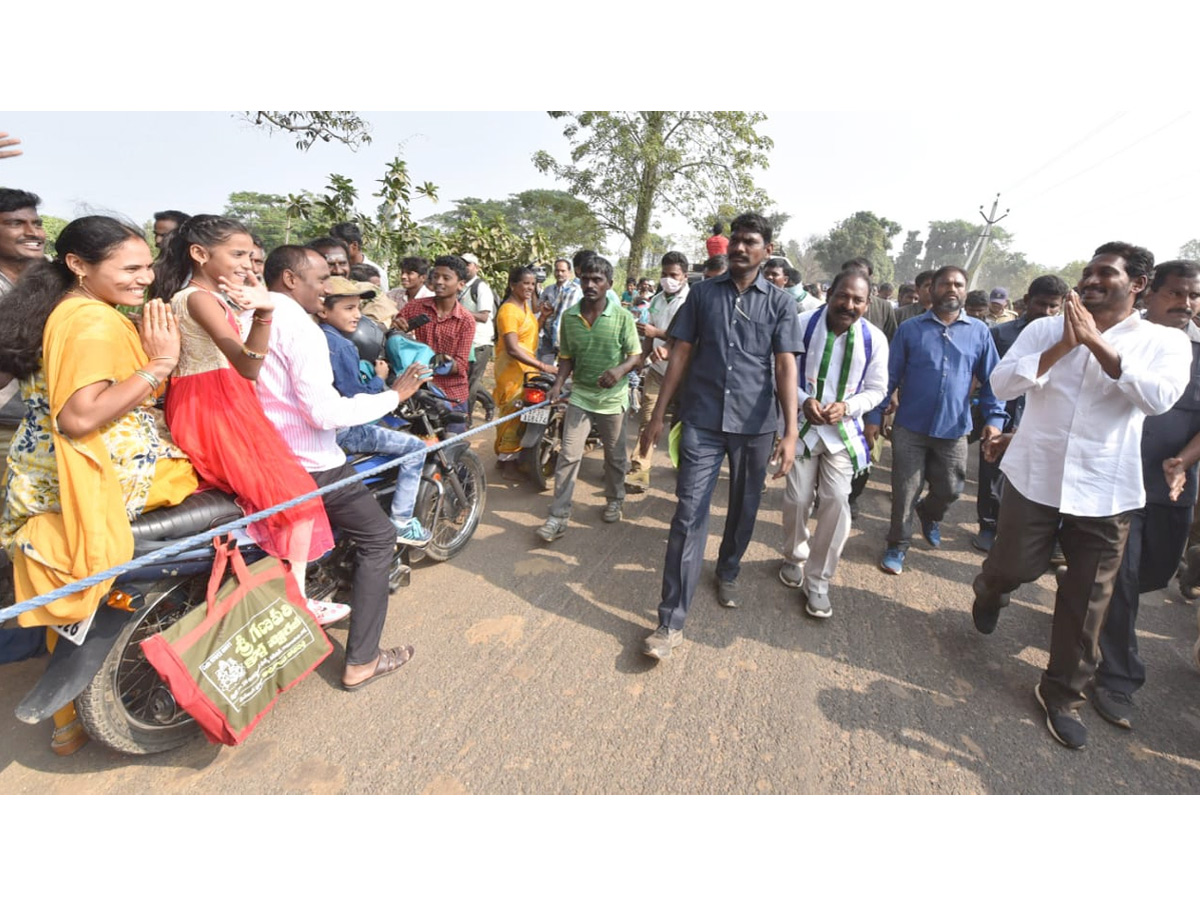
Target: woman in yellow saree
column 516, row 354
column 92, row 452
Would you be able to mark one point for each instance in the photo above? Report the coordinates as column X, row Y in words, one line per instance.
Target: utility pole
column 975, row 257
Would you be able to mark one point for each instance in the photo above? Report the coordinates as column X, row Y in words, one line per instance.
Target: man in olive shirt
column 599, row 344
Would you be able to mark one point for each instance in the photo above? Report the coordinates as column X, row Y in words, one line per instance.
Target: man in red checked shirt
column 449, row 332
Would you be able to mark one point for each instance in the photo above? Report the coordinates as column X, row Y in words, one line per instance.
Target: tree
column 863, row 234
column 908, row 261
column 566, row 221
column 627, row 165
column 272, row 217
column 311, row 126
column 1190, row 250
column 53, row 227
column 1072, row 272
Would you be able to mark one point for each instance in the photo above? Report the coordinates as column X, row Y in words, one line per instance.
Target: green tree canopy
column 908, row 260
column 863, row 234
column 628, row 165
column 566, row 221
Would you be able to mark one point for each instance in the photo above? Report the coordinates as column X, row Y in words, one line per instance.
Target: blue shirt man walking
column 736, row 341
column 933, row 359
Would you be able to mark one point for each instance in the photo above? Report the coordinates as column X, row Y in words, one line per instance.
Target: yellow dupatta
column 85, row 342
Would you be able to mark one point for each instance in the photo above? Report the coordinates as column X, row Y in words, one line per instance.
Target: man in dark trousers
column 1158, row 531
column 736, row 340
column 1073, row 470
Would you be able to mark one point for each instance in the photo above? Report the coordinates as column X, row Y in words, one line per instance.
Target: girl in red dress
column 212, row 409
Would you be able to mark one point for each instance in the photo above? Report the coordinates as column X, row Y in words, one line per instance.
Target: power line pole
column 975, row 257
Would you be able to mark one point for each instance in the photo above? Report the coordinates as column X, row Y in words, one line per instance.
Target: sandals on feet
column 389, row 662
column 326, row 612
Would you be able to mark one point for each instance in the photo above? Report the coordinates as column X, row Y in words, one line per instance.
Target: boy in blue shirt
column 339, row 317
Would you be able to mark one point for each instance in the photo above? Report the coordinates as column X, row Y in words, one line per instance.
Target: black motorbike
column 120, row 700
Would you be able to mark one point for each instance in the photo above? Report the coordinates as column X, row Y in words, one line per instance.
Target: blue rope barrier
column 205, row 537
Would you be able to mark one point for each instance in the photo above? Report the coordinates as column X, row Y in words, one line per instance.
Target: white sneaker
column 326, row 612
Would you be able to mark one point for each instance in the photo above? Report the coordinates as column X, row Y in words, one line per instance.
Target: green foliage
column 53, row 226
column 625, row 165
column 271, row 217
column 1072, row 272
column 908, row 261
column 311, row 126
column 566, row 221
column 498, row 247
column 863, row 234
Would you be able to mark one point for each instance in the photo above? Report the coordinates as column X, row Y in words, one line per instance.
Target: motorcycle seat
column 199, row 512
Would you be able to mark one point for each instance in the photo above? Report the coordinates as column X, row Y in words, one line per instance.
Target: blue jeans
column 701, row 453
column 374, row 439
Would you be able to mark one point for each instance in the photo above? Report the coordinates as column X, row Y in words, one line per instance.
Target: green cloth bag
column 228, row 660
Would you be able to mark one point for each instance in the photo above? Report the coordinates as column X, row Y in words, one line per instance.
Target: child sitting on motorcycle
column 339, row 317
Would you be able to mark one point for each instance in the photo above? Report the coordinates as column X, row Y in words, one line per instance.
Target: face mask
column 671, row 286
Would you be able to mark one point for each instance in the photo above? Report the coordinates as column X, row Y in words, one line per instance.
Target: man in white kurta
column 843, row 373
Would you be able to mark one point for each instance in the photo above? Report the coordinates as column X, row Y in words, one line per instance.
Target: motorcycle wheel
column 454, row 524
column 540, row 461
column 127, row 706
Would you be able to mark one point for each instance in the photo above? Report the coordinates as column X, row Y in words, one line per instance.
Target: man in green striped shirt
column 599, row 346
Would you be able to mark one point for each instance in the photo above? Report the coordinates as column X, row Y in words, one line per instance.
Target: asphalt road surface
column 528, row 679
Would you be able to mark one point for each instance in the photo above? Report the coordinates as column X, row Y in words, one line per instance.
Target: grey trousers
column 917, row 458
column 828, row 476
column 577, row 424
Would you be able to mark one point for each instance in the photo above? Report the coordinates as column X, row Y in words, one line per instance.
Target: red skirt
column 216, row 419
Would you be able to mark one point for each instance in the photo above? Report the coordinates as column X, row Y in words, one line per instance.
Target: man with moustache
column 1158, row 531
column 736, row 340
column 932, row 361
column 843, row 373
column 600, row 347
column 1074, row 468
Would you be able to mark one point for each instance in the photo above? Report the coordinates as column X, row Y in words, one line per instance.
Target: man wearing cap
column 339, row 315
column 480, row 302
column 450, row 331
column 998, row 311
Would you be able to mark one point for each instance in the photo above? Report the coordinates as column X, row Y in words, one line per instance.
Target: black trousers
column 354, row 512
column 1157, row 534
column 1021, row 554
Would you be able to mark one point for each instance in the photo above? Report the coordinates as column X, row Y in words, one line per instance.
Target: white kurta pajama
column 851, row 368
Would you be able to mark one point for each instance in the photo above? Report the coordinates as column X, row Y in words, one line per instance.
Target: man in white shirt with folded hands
column 1090, row 377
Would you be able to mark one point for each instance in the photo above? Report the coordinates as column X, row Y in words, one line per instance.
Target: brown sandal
column 389, row 662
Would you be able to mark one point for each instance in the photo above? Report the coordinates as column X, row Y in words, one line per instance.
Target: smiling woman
column 212, row 408
column 92, row 432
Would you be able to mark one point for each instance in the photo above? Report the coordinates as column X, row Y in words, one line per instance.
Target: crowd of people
column 1084, row 403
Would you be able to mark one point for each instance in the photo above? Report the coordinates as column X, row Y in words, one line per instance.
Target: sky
column 1065, row 196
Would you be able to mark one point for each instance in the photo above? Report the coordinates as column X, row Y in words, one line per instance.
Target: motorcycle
column 453, row 487
column 453, row 490
column 541, row 431
column 120, row 700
